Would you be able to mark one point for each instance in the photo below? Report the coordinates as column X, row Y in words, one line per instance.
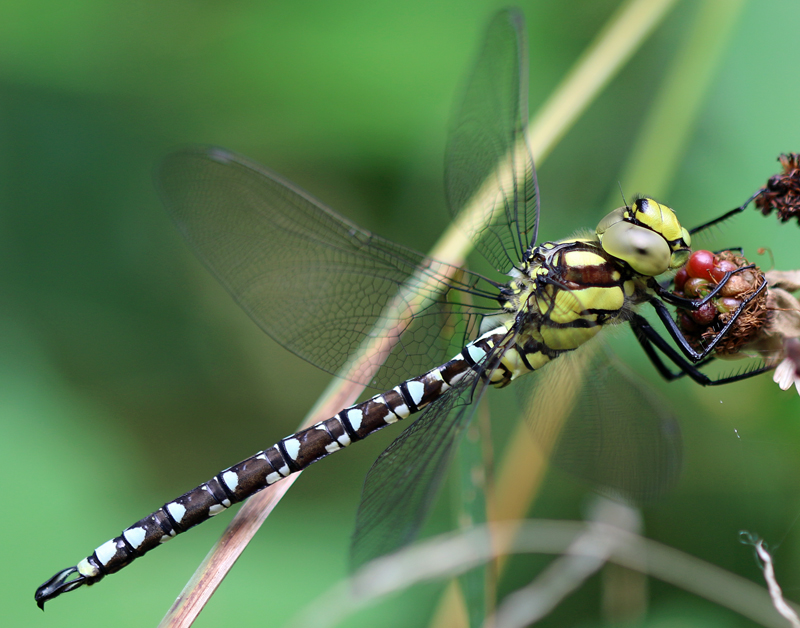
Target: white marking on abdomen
column 231, row 480
column 476, row 353
column 459, row 376
column 106, row 552
column 402, row 410
column 416, row 390
column 177, row 511
column 355, row 416
column 390, row 417
column 215, row 509
column 292, row 447
column 134, row 536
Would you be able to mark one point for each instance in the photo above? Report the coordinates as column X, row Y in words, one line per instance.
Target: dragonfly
column 325, row 289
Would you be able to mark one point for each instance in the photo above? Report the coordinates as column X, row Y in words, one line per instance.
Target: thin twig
column 450, row 555
column 583, row 558
column 775, row 592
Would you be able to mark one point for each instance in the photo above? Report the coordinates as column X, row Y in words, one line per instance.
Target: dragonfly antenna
column 619, row 183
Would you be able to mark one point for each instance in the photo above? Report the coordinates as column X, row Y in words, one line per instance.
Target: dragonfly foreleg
column 726, row 215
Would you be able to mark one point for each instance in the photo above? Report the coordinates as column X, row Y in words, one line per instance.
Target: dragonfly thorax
column 564, row 292
column 558, row 298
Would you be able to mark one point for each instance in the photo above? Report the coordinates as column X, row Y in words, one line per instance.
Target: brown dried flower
column 782, row 192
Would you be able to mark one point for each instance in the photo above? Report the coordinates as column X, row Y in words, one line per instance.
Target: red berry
column 696, row 287
column 700, row 264
column 680, row 278
column 725, row 266
column 687, row 324
column 728, row 304
column 705, row 314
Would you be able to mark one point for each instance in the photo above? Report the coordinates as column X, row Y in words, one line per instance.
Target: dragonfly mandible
column 322, row 287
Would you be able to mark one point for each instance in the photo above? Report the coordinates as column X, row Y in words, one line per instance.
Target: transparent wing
column 403, row 482
column 488, row 162
column 315, row 282
column 603, row 424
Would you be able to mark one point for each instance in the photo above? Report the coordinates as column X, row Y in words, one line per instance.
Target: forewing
column 315, row 282
column 488, row 164
column 603, row 424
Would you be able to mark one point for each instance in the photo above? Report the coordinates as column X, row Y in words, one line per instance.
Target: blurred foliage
column 128, row 375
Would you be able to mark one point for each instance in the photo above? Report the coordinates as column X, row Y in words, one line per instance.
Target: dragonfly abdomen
column 289, row 455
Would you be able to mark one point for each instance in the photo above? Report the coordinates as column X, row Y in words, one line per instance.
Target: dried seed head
column 736, row 290
column 754, row 315
column 782, row 192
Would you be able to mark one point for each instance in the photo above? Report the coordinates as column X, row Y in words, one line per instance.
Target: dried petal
column 788, row 371
column 786, row 279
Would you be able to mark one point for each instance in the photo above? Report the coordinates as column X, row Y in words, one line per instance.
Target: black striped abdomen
column 289, row 455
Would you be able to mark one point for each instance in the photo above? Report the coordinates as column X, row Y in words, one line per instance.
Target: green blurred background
column 127, row 375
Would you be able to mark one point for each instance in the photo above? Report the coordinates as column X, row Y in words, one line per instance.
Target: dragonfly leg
column 693, row 304
column 650, row 340
column 726, row 215
column 675, row 333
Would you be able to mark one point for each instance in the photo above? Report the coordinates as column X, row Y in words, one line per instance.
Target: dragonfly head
column 647, row 236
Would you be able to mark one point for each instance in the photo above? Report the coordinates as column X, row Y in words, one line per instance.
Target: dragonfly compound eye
column 642, row 249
